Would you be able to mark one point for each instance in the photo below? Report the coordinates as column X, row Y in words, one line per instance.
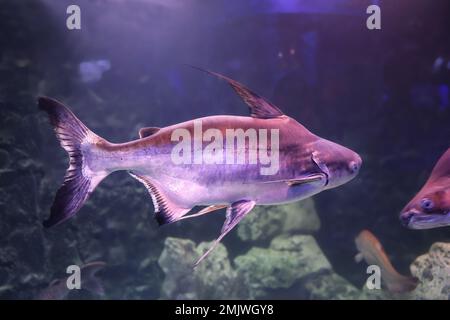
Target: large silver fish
column 306, row 164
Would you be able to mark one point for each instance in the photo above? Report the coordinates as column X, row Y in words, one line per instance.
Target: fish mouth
column 417, row 220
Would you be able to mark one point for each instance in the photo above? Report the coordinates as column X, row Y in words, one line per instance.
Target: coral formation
column 433, row 271
column 214, row 278
column 330, row 286
column 287, row 260
column 265, row 222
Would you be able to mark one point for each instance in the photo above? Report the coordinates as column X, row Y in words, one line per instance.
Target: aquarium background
column 379, row 92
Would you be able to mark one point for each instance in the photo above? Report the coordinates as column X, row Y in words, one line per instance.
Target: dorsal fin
column 259, row 106
column 165, row 210
column 148, row 131
column 442, row 167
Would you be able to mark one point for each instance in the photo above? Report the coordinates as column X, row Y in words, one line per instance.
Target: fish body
column 430, row 207
column 371, row 250
column 192, row 184
column 277, row 161
column 58, row 290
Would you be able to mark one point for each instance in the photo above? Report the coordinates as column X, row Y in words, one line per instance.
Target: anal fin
column 166, row 211
column 310, row 179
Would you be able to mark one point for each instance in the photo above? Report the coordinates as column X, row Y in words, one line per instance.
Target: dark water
column 373, row 91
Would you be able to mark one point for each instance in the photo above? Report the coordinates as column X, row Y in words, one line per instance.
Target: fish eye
column 426, row 204
column 353, row 167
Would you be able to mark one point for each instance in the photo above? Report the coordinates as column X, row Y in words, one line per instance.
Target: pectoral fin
column 235, row 213
column 299, row 181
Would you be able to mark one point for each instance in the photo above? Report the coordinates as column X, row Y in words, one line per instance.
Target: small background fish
column 58, row 290
column 372, row 252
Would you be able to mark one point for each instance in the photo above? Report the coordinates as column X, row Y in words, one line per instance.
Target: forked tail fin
column 80, row 180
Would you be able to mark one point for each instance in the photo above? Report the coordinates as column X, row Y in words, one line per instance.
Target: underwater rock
column 433, row 271
column 287, row 260
column 265, row 222
column 175, row 261
column 330, row 286
column 381, row 294
column 214, row 278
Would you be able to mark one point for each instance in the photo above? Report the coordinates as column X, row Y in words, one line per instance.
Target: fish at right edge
column 430, row 207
